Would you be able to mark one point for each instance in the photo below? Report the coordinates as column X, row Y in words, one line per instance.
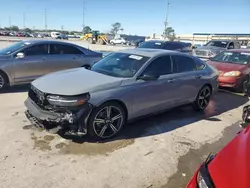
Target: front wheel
column 202, row 100
column 106, row 121
column 3, row 81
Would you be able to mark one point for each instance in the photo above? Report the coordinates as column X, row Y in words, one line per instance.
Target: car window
column 40, row 49
column 237, row 45
column 200, row 65
column 183, row 64
column 231, row 45
column 173, row 46
column 159, row 66
column 64, row 49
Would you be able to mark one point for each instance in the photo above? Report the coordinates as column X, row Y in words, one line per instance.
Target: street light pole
column 24, row 20
column 166, row 20
column 83, row 15
column 45, row 19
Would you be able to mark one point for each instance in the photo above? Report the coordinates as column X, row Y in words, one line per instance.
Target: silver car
column 25, row 61
column 119, row 88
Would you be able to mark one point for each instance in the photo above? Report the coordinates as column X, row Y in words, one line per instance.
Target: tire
column 106, row 128
column 241, row 87
column 112, row 43
column 100, row 41
column 90, row 40
column 202, row 100
column 3, row 81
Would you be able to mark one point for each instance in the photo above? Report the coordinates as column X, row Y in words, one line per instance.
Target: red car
column 230, row 168
column 233, row 66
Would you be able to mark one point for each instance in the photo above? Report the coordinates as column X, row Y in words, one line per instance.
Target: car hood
column 211, row 48
column 75, row 82
column 231, row 167
column 226, row 67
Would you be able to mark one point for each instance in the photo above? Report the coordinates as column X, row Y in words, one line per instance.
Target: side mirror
column 20, row 55
column 148, row 77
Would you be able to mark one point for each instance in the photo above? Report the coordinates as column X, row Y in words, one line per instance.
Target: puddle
column 189, row 163
column 93, row 148
column 40, row 144
column 49, row 138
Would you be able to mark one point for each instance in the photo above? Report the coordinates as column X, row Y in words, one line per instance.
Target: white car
column 118, row 41
column 55, row 35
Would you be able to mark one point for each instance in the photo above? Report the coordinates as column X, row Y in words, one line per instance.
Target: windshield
column 221, row 44
column 12, row 48
column 151, row 44
column 233, row 57
column 120, row 65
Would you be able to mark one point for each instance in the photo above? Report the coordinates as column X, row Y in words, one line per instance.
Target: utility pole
column 10, row 21
column 24, row 20
column 83, row 15
column 62, row 27
column 166, row 20
column 45, row 19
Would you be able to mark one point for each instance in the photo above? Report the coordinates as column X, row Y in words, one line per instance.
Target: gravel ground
column 159, row 151
column 146, row 154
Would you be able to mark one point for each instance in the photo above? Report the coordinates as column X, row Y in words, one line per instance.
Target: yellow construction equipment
column 95, row 37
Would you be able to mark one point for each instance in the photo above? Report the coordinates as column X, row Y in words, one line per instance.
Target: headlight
column 201, row 182
column 65, row 101
column 211, row 54
column 232, row 73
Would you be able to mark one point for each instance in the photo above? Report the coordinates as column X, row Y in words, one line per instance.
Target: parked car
column 118, row 41
column 27, row 60
column 137, row 42
column 55, row 35
column 63, row 36
column 214, row 47
column 20, row 34
column 120, row 87
column 230, row 167
column 167, row 45
column 234, row 68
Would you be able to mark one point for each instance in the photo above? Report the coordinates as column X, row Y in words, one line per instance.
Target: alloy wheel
column 1, row 82
column 204, row 98
column 108, row 121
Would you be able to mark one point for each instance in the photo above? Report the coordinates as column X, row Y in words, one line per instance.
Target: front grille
column 37, row 96
column 201, row 53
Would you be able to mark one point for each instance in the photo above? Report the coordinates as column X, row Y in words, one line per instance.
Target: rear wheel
column 203, row 98
column 100, row 41
column 106, row 121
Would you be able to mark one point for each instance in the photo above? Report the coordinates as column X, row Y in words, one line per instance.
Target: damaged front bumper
column 75, row 120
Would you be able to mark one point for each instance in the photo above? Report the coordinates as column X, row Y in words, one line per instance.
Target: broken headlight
column 65, row 101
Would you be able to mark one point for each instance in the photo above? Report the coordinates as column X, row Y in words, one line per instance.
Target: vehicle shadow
column 174, row 118
column 16, row 89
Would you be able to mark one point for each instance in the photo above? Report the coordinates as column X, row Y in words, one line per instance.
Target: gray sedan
column 25, row 61
column 119, row 88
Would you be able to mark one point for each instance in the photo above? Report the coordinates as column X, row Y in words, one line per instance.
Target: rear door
column 188, row 78
column 153, row 96
column 63, row 57
column 33, row 65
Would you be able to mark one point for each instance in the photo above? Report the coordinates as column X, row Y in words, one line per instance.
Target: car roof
column 37, row 41
column 149, row 52
column 164, row 41
column 240, row 50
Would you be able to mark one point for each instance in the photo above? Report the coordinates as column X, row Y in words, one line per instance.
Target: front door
column 63, row 57
column 32, row 65
column 155, row 95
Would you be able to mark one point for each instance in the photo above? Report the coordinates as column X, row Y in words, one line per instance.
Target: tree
column 116, row 27
column 28, row 30
column 14, row 28
column 86, row 30
column 169, row 33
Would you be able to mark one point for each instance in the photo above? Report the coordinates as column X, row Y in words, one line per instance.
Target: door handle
column 171, row 80
column 198, row 76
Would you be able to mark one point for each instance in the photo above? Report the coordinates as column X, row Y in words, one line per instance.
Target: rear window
column 151, row 44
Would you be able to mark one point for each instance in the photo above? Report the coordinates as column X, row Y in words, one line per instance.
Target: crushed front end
column 49, row 111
